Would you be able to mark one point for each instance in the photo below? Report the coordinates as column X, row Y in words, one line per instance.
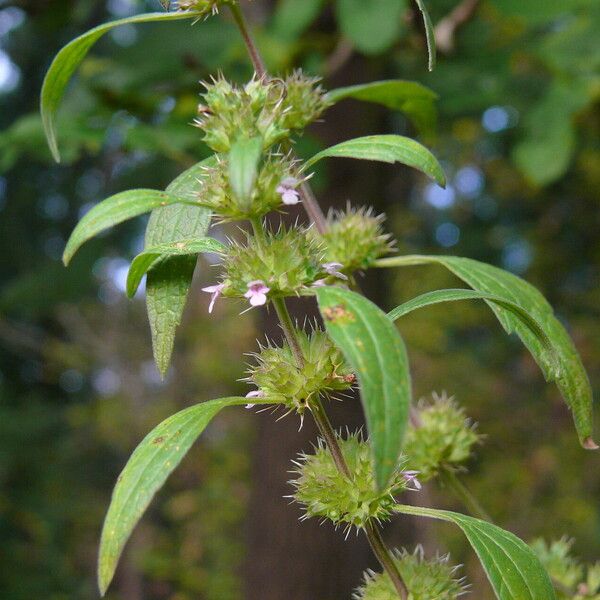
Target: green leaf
column 569, row 374
column 438, row 296
column 70, row 57
column 512, row 568
column 115, row 210
column 293, row 17
column 409, row 97
column 168, row 283
column 243, row 165
column 372, row 26
column 144, row 261
column 375, row 350
column 429, row 34
column 147, row 469
column 386, row 148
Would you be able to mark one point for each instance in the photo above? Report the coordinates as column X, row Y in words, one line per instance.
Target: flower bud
column 424, row 579
column 216, row 192
column 355, row 238
column 444, row 437
column 303, row 102
column 277, row 375
column 325, row 492
column 286, row 261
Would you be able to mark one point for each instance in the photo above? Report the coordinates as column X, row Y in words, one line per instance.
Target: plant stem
column 455, row 485
column 255, row 57
column 315, row 213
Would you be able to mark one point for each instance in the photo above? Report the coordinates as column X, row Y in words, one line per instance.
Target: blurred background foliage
column 517, row 131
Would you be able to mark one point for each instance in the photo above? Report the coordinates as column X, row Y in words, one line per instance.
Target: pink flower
column 332, row 268
column 319, row 283
column 410, row 477
column 288, row 191
column 254, row 394
column 215, row 290
column 257, row 293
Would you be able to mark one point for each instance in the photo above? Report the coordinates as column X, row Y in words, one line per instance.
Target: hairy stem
column 255, row 56
column 315, row 213
column 455, row 485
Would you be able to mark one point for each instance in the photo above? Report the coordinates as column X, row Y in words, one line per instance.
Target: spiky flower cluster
column 425, row 579
column 325, row 492
column 444, row 437
column 576, row 581
column 276, row 173
column 204, row 7
column 355, row 238
column 269, row 108
column 277, row 375
column 286, row 261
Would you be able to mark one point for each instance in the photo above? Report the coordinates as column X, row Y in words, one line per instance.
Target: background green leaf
column 144, row 261
column 386, row 148
column 115, row 210
column 413, row 99
column 513, row 570
column 293, row 17
column 151, row 463
column 569, row 374
column 243, row 164
column 374, row 348
column 372, row 26
column 168, row 284
column 70, row 57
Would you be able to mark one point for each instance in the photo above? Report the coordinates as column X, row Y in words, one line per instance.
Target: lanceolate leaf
column 429, row 34
column 518, row 311
column 513, row 570
column 243, row 164
column 570, row 375
column 409, row 97
column 386, row 148
column 115, row 210
column 152, row 462
column 144, row 261
column 168, row 283
column 374, row 348
column 71, row 56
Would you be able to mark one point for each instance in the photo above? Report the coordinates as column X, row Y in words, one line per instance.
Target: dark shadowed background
column 517, row 133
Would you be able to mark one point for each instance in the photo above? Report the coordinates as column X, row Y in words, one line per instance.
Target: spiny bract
column 287, row 261
column 355, row 238
column 577, row 581
column 325, row 492
column 269, row 108
column 425, row 579
column 216, row 192
column 277, row 375
column 444, row 437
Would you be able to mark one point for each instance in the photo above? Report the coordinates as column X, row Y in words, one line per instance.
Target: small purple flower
column 410, row 477
column 288, row 191
column 254, row 394
column 319, row 283
column 215, row 290
column 257, row 293
column 332, row 268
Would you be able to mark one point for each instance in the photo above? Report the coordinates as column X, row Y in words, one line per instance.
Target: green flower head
column 324, row 492
column 277, row 375
column 443, row 437
column 425, row 579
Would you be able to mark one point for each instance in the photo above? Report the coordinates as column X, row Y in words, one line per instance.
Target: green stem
column 255, row 57
column 315, row 213
column 455, row 485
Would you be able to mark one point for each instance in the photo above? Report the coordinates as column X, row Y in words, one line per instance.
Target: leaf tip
column 589, row 444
